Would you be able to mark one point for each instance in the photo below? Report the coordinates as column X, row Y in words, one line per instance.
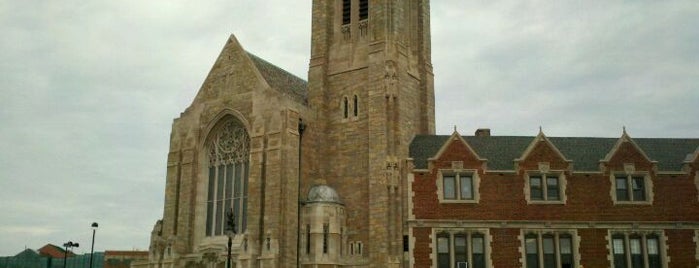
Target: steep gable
column 237, row 71
column 541, row 149
column 626, row 152
column 457, row 149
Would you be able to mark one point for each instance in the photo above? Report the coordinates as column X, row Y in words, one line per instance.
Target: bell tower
column 370, row 91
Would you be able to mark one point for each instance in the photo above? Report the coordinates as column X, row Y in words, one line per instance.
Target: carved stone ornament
column 230, row 145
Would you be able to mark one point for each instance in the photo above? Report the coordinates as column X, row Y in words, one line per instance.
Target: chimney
column 482, row 132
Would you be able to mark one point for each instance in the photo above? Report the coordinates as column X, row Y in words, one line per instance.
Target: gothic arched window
column 228, row 151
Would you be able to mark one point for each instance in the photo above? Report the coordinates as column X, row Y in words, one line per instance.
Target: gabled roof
column 51, row 250
column 532, row 145
column 584, row 152
column 281, row 80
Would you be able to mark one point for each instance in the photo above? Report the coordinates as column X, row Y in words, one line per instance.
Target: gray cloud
column 89, row 90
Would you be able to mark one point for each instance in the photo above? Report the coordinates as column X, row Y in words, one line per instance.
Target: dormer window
column 548, row 187
column 458, row 186
column 631, row 188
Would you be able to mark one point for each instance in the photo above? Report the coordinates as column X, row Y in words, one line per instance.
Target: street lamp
column 92, row 249
column 68, row 245
column 230, row 232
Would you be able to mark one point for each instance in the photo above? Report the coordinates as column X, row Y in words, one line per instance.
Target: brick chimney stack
column 482, row 132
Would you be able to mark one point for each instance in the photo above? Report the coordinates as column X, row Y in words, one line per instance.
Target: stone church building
column 345, row 169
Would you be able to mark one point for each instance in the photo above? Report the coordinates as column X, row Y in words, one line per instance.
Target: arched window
column 356, row 109
column 345, row 107
column 228, row 150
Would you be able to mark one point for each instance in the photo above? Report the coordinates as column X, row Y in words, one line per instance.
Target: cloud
column 89, row 90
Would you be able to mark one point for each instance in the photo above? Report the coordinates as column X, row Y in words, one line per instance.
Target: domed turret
column 323, row 193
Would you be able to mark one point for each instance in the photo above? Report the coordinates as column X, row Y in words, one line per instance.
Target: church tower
column 370, row 90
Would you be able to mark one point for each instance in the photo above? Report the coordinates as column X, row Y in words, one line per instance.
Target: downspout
column 302, row 127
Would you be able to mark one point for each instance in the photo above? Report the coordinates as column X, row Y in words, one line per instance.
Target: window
column 345, row 107
column 308, row 239
column 355, row 108
column 363, row 9
column 548, row 250
column 346, row 11
column 326, row 232
column 228, row 178
column 458, row 186
column 545, row 187
column 631, row 188
column 632, row 250
column 459, row 249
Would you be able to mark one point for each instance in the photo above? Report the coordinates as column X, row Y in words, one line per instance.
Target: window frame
column 458, row 174
column 545, row 176
column 627, row 237
column 630, row 192
column 471, row 249
column 539, row 235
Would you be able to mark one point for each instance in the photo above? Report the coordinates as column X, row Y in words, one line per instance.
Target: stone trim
column 411, row 247
column 555, row 224
column 664, row 248
column 410, row 196
column 475, row 180
column 630, row 171
column 562, row 186
column 556, row 232
column 696, row 241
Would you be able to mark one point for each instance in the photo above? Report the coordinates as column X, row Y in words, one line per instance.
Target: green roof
column 586, row 153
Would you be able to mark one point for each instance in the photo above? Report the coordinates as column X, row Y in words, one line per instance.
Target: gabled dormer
column 630, row 172
column 544, row 170
column 627, row 155
column 542, row 152
column 459, row 169
column 456, row 149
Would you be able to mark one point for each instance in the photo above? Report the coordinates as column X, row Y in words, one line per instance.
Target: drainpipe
column 302, row 127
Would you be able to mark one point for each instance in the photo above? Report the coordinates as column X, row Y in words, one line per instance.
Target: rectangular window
column 549, row 250
column 630, row 188
column 636, row 248
column 449, row 187
column 459, row 186
column 535, row 190
column 443, row 256
column 460, row 249
column 565, row 243
column 532, row 250
column 552, row 188
column 466, row 187
column 544, row 187
column 639, row 189
column 622, row 192
column 636, row 252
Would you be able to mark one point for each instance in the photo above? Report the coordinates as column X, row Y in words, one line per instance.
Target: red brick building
column 506, row 201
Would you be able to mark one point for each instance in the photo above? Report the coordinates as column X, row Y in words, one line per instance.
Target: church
column 344, row 169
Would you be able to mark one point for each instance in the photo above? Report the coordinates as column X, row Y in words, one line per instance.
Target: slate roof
column 501, row 151
column 281, row 80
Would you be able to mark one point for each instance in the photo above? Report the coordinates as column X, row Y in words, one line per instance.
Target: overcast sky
column 88, row 90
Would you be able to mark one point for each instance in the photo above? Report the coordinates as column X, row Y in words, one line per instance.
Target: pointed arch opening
column 228, row 153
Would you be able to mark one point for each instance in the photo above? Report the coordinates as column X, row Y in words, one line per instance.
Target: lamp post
column 230, row 232
column 68, row 245
column 92, row 249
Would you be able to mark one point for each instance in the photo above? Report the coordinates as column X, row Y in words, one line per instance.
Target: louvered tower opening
column 346, row 11
column 363, row 9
